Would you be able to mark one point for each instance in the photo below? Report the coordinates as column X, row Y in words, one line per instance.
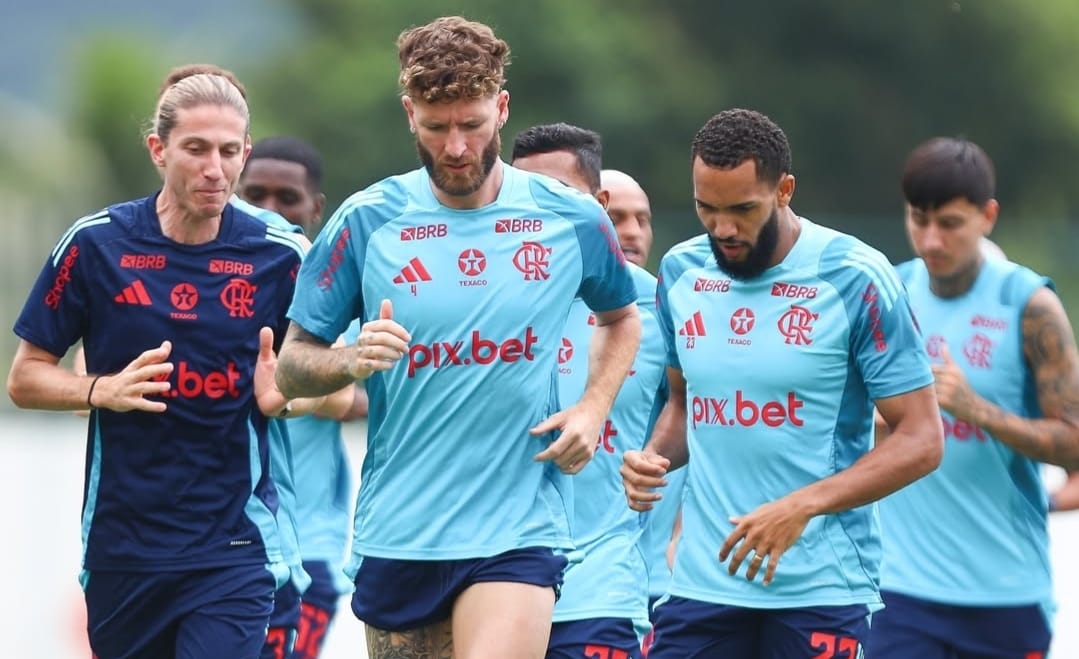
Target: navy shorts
column 687, row 629
column 316, row 610
column 396, row 596
column 911, row 627
column 207, row 614
column 284, row 623
column 611, row 638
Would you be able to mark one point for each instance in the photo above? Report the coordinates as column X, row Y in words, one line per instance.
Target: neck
column 790, row 227
column 956, row 284
column 180, row 225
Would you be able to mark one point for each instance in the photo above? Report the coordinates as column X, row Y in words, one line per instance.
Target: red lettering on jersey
column 519, row 225
column 337, row 255
column 962, row 430
column 424, row 232
column 227, row 267
column 703, row 285
column 872, row 298
column 214, row 384
column 605, row 435
column 143, row 261
column 63, row 276
column 479, row 352
column 713, row 411
column 783, row 289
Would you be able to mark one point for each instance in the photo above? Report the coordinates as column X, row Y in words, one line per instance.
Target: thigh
column 131, row 615
column 689, row 629
column 431, row 642
column 229, row 613
column 1003, row 632
column 907, row 627
column 819, row 632
column 594, row 638
column 502, row 619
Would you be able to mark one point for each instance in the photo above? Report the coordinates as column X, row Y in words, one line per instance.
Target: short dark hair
column 734, row 136
column 294, row 150
column 584, row 144
column 946, row 168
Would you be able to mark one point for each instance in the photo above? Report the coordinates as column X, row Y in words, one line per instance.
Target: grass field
column 41, row 471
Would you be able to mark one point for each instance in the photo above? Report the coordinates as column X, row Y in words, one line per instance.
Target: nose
column 725, row 228
column 456, row 144
column 212, row 168
column 930, row 238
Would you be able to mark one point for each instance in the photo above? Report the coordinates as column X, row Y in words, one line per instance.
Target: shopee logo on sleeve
column 872, row 298
column 337, row 255
column 480, row 351
column 63, row 276
column 747, row 412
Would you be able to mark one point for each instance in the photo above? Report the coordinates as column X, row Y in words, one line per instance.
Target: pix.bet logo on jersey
column 747, row 412
column 479, row 351
column 213, row 384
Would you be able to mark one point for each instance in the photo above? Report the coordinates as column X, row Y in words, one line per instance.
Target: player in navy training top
column 174, row 297
column 781, row 334
column 463, row 492
column 1007, row 378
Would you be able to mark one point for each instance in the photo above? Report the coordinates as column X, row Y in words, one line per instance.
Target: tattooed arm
column 309, row 366
column 1050, row 351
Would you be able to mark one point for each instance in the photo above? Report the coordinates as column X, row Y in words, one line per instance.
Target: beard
column 461, row 185
column 759, row 255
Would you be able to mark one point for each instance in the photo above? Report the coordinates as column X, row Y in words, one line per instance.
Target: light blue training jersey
column 973, row 532
column 323, row 482
column 449, row 471
column 781, row 372
column 281, row 450
column 656, row 537
column 607, row 582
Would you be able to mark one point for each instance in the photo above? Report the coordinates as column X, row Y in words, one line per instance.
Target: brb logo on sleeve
column 747, row 412
column 480, row 351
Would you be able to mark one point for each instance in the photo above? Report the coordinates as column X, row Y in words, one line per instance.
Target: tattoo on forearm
column 1050, row 350
column 431, row 642
column 309, row 366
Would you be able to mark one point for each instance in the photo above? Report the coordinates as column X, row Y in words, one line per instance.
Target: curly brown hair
column 451, row 58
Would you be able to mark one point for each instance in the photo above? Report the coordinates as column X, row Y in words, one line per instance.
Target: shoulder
column 380, row 202
column 101, row 226
column 554, row 196
column 267, row 217
column 263, row 228
column 854, row 267
column 692, row 253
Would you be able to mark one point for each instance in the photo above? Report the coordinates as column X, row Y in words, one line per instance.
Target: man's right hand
column 146, row 375
column 643, row 472
column 380, row 345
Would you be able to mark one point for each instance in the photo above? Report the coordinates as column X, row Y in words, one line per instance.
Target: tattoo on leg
column 431, row 642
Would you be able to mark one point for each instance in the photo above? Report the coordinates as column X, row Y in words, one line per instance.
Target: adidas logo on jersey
column 135, row 293
column 412, row 273
column 693, row 328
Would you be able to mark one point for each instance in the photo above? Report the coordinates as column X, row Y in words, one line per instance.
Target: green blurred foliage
column 856, row 85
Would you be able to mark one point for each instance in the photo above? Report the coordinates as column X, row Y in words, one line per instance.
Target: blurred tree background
column 855, row 85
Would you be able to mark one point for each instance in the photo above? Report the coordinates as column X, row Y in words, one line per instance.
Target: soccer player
column 781, row 335
column 176, row 297
column 966, row 563
column 463, row 272
column 284, row 174
column 631, row 212
column 603, row 607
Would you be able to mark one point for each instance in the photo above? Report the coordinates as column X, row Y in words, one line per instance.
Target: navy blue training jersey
column 190, row 487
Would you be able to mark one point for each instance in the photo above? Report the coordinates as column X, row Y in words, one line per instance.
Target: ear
column 247, row 148
column 785, row 190
column 604, row 198
column 320, row 204
column 410, row 112
column 503, row 103
column 157, row 150
column 990, row 212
